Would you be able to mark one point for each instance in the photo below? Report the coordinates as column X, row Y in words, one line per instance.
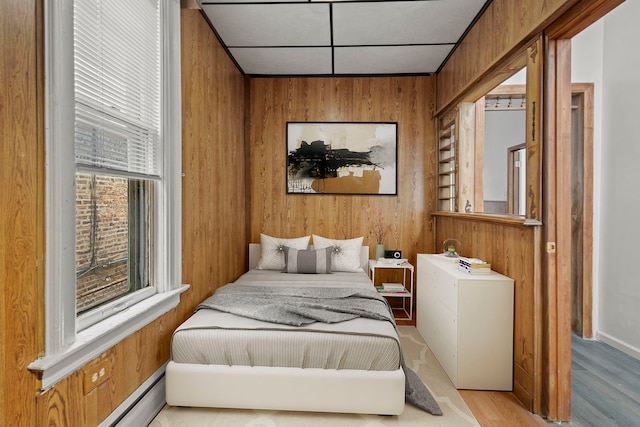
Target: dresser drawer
column 443, row 285
column 448, row 324
column 449, row 361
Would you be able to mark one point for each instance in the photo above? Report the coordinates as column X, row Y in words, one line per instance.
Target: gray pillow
column 307, row 261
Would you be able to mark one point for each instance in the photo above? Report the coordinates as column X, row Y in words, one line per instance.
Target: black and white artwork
column 342, row 158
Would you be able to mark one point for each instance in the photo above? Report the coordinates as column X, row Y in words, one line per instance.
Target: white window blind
column 117, row 108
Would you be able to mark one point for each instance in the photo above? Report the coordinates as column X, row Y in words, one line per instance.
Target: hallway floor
column 605, row 386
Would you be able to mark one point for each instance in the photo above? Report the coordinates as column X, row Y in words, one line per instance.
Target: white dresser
column 467, row 321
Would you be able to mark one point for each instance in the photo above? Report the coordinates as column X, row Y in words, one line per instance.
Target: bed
column 222, row 359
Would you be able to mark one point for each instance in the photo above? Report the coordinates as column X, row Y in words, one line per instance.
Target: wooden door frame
column 557, row 231
column 556, row 268
column 586, row 91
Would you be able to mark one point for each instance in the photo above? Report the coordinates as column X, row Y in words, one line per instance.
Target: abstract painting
column 342, row 158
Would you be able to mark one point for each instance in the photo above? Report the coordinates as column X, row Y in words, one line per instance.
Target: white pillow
column 345, row 255
column 272, row 250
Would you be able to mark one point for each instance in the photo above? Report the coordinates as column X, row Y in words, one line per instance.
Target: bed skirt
column 288, row 389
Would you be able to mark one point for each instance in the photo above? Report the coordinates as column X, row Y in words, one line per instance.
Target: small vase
column 379, row 251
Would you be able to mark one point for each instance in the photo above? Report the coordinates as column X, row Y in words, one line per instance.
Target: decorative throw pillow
column 272, row 250
column 345, row 255
column 307, row 261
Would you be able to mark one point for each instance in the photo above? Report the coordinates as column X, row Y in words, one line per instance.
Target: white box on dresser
column 467, row 322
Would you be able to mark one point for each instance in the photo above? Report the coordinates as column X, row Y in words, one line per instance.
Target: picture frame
column 358, row 158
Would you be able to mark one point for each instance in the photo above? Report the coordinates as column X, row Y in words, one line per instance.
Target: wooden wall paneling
column 507, row 26
column 102, row 399
column 21, row 198
column 510, row 247
column 475, row 53
column 63, row 405
column 213, row 100
column 407, row 100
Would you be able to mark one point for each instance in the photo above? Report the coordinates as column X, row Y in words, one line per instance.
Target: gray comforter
column 297, row 306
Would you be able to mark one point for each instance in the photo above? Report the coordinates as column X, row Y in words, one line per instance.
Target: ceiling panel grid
column 341, row 37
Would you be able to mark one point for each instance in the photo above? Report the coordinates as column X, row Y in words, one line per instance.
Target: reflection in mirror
column 504, row 157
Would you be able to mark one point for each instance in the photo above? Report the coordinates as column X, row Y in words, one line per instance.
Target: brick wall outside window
column 101, row 239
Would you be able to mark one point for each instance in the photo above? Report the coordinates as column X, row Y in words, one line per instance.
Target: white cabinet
column 467, row 322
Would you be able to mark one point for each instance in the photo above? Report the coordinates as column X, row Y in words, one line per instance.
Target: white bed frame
column 291, row 389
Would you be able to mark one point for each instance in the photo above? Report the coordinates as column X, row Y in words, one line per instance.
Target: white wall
column 607, row 54
column 502, row 129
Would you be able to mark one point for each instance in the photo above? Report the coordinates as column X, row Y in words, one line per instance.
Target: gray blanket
column 296, row 306
column 299, row 306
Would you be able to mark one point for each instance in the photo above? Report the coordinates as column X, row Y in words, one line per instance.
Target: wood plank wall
column 214, row 166
column 511, row 248
column 505, row 27
column 406, row 100
column 21, row 198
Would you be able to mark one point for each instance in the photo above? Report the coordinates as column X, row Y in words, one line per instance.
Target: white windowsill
column 98, row 338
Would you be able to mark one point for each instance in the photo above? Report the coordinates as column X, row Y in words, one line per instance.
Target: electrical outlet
column 95, row 374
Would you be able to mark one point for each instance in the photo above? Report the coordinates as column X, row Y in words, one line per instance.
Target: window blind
column 117, row 91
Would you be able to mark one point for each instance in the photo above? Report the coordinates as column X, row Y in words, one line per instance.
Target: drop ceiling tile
column 206, row 2
column 299, row 24
column 284, row 61
column 390, row 59
column 402, row 37
column 403, row 22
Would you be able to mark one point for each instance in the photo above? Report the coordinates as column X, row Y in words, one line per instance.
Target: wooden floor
column 499, row 409
column 605, row 392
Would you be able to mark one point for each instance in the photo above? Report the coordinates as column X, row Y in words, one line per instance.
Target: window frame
column 67, row 349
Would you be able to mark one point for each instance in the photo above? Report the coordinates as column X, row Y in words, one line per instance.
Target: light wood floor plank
column 499, row 409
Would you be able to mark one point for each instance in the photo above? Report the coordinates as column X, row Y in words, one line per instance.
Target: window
column 114, row 241
column 447, row 162
column 118, row 147
column 113, row 175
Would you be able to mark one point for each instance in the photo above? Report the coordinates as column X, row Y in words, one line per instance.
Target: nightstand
column 404, row 309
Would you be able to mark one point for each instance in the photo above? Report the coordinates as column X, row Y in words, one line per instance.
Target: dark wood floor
column 605, row 386
column 605, row 392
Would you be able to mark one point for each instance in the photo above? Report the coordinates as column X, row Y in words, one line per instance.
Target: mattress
column 219, row 338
